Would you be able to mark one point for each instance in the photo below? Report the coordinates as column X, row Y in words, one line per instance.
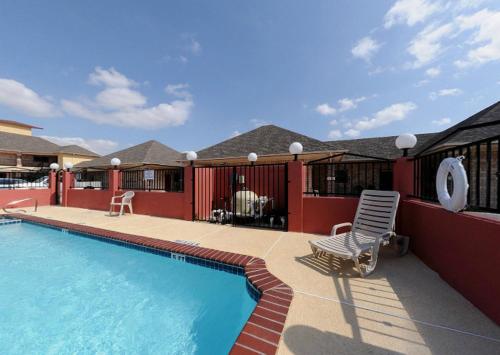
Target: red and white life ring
column 458, row 200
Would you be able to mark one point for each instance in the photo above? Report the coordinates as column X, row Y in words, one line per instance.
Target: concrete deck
column 403, row 307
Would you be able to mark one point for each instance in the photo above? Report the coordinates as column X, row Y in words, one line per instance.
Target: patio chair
column 373, row 225
column 125, row 200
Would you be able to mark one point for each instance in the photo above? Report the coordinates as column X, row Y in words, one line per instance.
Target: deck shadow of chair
column 329, row 265
column 302, row 339
column 122, row 201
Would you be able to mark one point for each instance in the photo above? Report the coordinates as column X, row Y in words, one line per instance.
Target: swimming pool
column 63, row 292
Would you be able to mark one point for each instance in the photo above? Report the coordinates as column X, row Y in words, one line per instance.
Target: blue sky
column 111, row 74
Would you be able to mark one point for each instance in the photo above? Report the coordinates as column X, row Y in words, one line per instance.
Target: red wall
column 462, row 249
column 42, row 195
column 321, row 213
column 90, row 199
column 160, row 204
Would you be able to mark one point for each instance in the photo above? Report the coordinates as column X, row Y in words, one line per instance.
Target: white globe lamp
column 295, row 149
column 252, row 158
column 68, row 166
column 406, row 141
column 191, row 156
column 115, row 162
column 54, row 166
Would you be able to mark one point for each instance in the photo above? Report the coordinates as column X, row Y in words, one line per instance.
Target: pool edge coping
column 262, row 331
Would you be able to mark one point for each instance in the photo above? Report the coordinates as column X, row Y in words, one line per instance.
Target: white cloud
column 19, row 97
column 365, row 48
column 422, row 83
column 410, row 12
column 119, row 105
column 334, row 122
column 442, row 121
column 426, row 46
column 326, row 110
column 459, row 5
column 110, row 78
column 178, row 90
column 445, row 92
column 346, row 104
column 195, row 46
column 486, row 24
column 101, row 146
column 258, row 122
column 433, row 72
column 392, row 113
column 191, row 45
column 353, row 133
column 235, row 134
column 175, row 113
column 120, row 98
column 334, row 134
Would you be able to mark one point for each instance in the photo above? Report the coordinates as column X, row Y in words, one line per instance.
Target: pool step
column 9, row 221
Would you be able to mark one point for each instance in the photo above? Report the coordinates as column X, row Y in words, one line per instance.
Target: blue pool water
column 62, row 293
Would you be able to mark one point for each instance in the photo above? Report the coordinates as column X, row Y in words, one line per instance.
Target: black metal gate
column 249, row 195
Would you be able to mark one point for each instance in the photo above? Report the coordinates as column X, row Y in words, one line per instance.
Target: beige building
column 20, row 150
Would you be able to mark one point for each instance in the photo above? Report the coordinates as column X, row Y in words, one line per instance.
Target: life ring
column 458, row 200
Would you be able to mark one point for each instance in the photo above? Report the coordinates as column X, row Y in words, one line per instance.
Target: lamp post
column 252, row 158
column 115, row 163
column 191, row 156
column 406, row 141
column 54, row 167
column 68, row 166
column 295, row 149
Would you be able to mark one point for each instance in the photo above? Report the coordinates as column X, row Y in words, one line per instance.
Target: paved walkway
column 404, row 307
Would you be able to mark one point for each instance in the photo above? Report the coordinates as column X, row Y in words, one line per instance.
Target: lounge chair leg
column 358, row 266
column 130, row 208
column 315, row 251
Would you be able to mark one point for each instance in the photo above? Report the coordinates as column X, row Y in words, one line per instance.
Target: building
column 21, row 151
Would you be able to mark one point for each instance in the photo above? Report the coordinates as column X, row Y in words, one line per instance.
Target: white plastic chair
column 124, row 200
column 373, row 225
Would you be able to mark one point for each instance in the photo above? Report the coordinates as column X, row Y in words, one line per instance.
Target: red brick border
column 262, row 332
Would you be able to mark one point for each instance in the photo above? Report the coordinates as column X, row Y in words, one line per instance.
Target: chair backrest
column 376, row 212
column 127, row 196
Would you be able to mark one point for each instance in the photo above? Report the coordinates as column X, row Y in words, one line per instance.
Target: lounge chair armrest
column 338, row 226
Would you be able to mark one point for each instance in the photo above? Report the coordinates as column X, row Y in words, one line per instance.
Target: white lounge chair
column 124, row 200
column 373, row 225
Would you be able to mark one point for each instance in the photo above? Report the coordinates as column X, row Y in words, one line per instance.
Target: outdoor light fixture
column 296, row 148
column 115, row 162
column 252, row 158
column 54, row 166
column 191, row 156
column 68, row 166
column 406, row 141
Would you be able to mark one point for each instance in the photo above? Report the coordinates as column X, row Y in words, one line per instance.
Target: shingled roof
column 380, row 147
column 147, row 153
column 264, row 140
column 482, row 125
column 77, row 150
column 11, row 142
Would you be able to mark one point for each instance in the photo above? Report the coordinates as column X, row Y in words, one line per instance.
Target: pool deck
column 403, row 307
